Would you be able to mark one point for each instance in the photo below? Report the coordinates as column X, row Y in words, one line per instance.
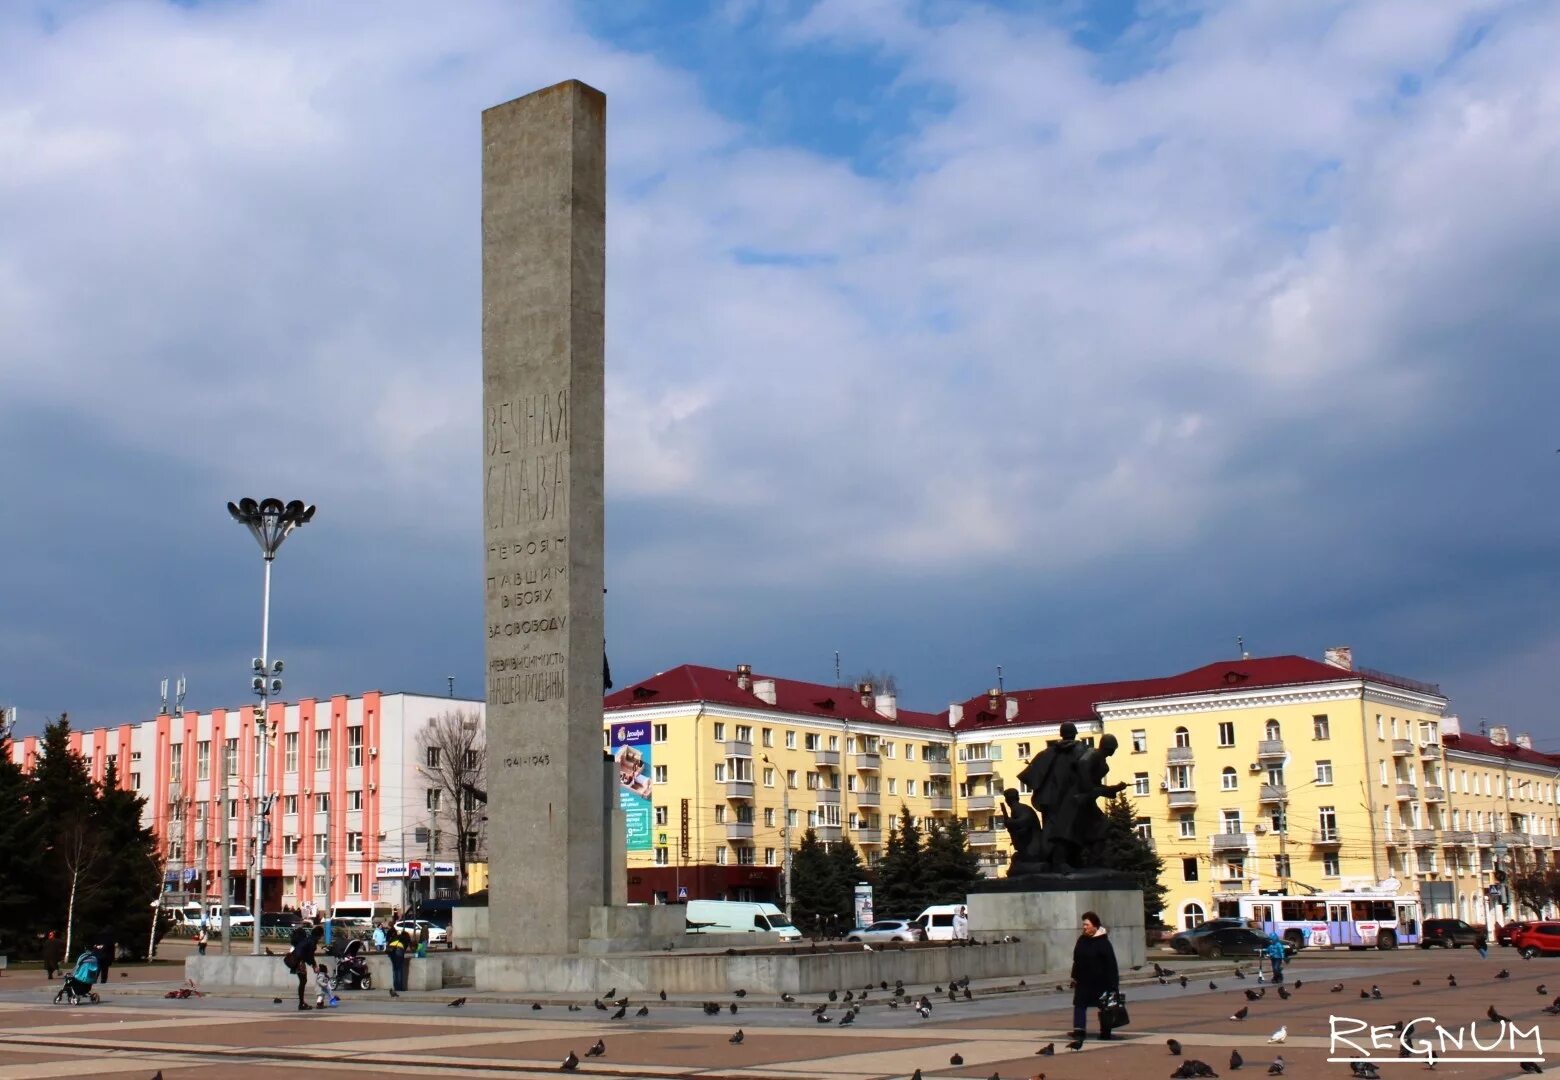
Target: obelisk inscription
column 543, row 299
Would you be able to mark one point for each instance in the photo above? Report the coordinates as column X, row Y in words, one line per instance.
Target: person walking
column 53, row 954
column 1275, row 955
column 300, row 958
column 1094, row 974
column 201, row 938
column 396, row 947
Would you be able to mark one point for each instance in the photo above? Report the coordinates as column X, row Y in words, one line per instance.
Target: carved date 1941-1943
column 520, row 760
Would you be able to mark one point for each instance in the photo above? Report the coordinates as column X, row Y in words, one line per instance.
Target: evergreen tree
column 848, row 871
column 1121, row 848
column 58, row 828
column 902, row 889
column 132, row 873
column 18, row 857
column 812, row 886
column 950, row 867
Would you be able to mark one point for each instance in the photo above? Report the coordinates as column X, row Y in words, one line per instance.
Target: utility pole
column 220, row 745
column 785, row 827
column 325, row 865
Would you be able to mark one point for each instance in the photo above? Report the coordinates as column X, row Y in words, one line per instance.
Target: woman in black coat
column 1093, row 973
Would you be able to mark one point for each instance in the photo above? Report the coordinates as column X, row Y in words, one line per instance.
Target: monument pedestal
column 1053, row 918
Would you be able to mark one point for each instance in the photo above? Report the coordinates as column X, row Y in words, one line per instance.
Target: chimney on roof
column 1012, row 709
column 765, row 689
column 865, row 690
column 1500, row 735
column 994, row 699
column 887, row 705
column 744, row 676
column 1339, row 656
column 1450, row 725
column 1525, row 741
column 955, row 715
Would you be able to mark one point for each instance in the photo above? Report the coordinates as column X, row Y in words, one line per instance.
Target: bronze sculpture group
column 1066, row 778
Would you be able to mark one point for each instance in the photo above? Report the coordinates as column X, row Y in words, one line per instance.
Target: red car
column 1537, row 939
column 1503, row 932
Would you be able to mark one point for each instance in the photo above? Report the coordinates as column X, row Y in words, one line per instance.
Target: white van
column 238, row 915
column 370, row 911
column 937, row 921
column 738, row 917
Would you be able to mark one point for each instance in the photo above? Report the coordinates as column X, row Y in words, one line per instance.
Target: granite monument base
column 1052, row 917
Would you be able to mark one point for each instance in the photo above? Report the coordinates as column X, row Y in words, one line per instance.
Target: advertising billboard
column 631, row 752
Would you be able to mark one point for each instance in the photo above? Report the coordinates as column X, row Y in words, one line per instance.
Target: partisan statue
column 1067, row 779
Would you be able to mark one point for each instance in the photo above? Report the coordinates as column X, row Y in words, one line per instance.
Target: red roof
column 690, row 683
column 1480, row 744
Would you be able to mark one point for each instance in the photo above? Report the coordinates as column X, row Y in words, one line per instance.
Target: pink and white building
column 356, row 817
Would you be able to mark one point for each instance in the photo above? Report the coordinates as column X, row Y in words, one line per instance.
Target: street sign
column 685, row 830
column 682, row 892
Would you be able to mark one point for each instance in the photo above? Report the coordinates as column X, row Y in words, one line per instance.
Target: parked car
column 1451, row 934
column 1504, row 931
column 437, row 935
column 1236, row 941
column 887, row 930
column 1536, row 938
column 280, row 918
column 1186, row 940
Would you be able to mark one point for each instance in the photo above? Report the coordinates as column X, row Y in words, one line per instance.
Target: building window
column 1189, row 871
column 1330, row 864
column 355, row 799
column 1183, row 738
column 909, row 750
column 1327, row 822
column 355, row 884
column 1180, row 778
column 1324, row 775
column 232, row 808
column 290, row 804
column 720, row 815
column 1231, row 820
column 1023, row 750
column 355, row 747
column 720, row 732
column 1235, row 870
column 1140, row 741
column 720, row 855
column 1281, row 866
column 1379, row 734
column 720, row 772
column 893, row 786
column 319, row 886
column 321, row 751
column 811, row 741
column 769, row 817
column 766, row 736
column 319, row 842
column 744, row 733
column 355, row 843
column 175, row 762
column 790, row 740
column 1226, row 733
column 230, row 757
column 792, row 818
column 1228, row 780
column 769, row 856
column 658, row 732
column 660, row 774
column 662, row 857
column 790, row 779
column 203, row 760
column 1144, row 828
column 432, row 759
column 322, row 803
column 1188, row 825
column 1319, row 727
column 1140, row 783
column 910, row 788
column 433, row 798
column 290, row 844
column 290, row 752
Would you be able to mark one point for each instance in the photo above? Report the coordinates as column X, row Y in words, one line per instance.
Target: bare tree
column 452, row 757
column 86, row 868
column 883, row 682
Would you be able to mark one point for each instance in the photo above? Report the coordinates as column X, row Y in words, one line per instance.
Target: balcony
column 869, row 798
column 983, row 838
column 935, row 767
column 1232, row 885
column 1430, row 750
column 868, row 760
column 827, row 795
column 980, row 766
column 1435, row 793
column 940, row 804
column 739, row 830
column 1484, row 839
column 1457, row 838
column 1272, row 793
column 1183, row 798
column 1407, row 792
column 980, row 802
column 1271, row 750
column 828, row 834
column 1540, row 841
column 1421, row 837
column 1515, row 839
column 865, row 835
column 826, row 759
column 739, row 748
column 1231, row 842
column 1324, row 837
column 1178, row 755
column 1402, row 747
column 739, row 789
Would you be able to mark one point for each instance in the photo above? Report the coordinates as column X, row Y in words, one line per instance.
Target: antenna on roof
column 1240, row 647
column 837, row 681
column 999, row 678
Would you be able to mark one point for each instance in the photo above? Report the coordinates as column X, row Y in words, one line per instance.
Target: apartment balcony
column 828, row 834
column 1457, row 838
column 1324, row 838
column 940, row 804
column 1484, row 839
column 977, row 766
column 1232, row 885
column 1430, row 750
column 739, row 748
column 1407, row 792
column 866, row 836
column 869, row 798
column 739, row 789
column 1544, row 842
column 938, row 768
column 828, row 796
column 1421, row 837
column 1271, row 750
column 1178, row 755
column 1272, row 793
column 1402, row 747
column 1515, row 839
column 739, row 830
column 983, row 838
column 1231, row 842
column 1183, row 799
column 980, row 802
column 826, row 759
column 870, row 760
column 1435, row 793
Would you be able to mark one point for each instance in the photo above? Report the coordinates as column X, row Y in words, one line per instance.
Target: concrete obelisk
column 543, row 300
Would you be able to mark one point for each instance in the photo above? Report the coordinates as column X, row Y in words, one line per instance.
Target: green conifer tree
column 950, row 867
column 901, row 891
column 845, row 861
column 18, row 859
column 1121, row 848
column 812, row 886
column 132, row 877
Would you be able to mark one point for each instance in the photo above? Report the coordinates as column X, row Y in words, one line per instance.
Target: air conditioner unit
column 1255, row 766
column 373, row 751
column 1260, row 830
column 1164, row 785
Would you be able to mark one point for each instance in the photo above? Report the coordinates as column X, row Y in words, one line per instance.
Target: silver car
column 887, row 930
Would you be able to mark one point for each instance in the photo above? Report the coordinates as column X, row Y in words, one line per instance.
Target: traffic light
column 1500, row 877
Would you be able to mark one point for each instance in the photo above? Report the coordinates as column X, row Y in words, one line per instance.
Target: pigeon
column 849, row 994
column 1277, row 1068
column 1183, row 982
column 1553, row 1008
column 1337, row 988
column 1284, row 994
column 834, row 995
column 925, row 1011
column 1280, row 1035
column 1532, row 1067
column 1193, row 1068
column 711, row 1008
column 1240, row 1013
column 740, row 993
column 1076, row 1044
column 1212, row 985
column 394, row 994
column 575, row 1008
column 570, row 1063
column 848, row 1019
column 610, row 994
column 536, row 1006
column 1298, row 984
column 892, row 1004
column 663, row 995
column 1236, row 1061
column 937, row 989
column 457, row 1003
column 1022, row 984
column 1451, row 982
column 599, row 1005
column 916, row 1075
column 643, row 1010
column 622, row 1012
column 957, row 1059
column 622, row 1000
column 1239, row 974
column 1363, row 1070
column 1364, row 993
column 1375, row 991
column 737, row 1038
column 598, row 1050
column 1175, row 1047
column 733, row 1008
column 276, row 1001
column 1542, row 989
column 967, row 995
column 1496, row 1017
column 1048, row 1050
column 783, row 997
column 825, row 1018
column 1253, row 995
column 1503, row 974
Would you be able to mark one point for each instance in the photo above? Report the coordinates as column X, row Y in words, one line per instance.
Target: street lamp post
column 270, row 522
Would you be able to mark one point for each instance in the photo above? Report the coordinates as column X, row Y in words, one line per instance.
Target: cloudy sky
column 1078, row 338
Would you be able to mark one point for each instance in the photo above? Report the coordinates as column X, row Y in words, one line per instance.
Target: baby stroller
column 352, row 967
column 78, row 984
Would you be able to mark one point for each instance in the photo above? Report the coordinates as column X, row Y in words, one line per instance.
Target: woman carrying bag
column 1094, row 975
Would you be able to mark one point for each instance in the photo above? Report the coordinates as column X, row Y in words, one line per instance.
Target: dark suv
column 1451, row 934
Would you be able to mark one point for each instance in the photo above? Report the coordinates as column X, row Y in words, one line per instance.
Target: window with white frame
column 1324, row 773
column 321, row 750
column 355, row 747
column 660, row 774
column 1229, row 780
column 1140, row 783
column 1226, row 733
column 1140, row 741
column 290, row 752
column 1188, row 824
